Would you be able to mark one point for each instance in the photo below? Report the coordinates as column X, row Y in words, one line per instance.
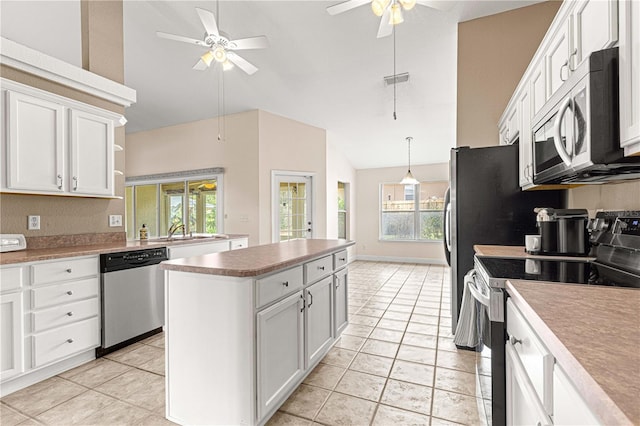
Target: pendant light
column 408, row 179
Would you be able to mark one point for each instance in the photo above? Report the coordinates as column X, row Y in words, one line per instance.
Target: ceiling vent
column 396, row 79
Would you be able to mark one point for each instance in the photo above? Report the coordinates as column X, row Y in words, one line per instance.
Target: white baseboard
column 420, row 260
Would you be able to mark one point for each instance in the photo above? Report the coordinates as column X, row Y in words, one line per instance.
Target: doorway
column 292, row 206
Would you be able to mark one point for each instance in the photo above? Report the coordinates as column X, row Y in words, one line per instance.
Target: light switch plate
column 33, row 223
column 115, row 220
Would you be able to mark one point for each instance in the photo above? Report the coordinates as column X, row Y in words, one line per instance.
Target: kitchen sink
column 193, row 237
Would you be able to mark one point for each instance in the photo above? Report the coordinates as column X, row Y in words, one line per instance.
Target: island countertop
column 594, row 333
column 256, row 260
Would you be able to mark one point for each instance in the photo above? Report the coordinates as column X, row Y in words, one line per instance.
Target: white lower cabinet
column 568, row 406
column 341, row 313
column 318, row 322
column 280, row 331
column 11, row 335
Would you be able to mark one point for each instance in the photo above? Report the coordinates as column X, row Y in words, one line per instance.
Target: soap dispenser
column 143, row 232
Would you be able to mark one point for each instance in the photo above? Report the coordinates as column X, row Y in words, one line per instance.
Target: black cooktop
column 570, row 271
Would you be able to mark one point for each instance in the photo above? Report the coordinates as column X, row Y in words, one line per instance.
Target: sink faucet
column 174, row 228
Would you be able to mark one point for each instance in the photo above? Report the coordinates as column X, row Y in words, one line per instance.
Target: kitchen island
column 244, row 328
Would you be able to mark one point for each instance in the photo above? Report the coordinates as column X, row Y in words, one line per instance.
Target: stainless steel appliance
column 484, row 205
column 132, row 289
column 576, row 133
column 616, row 240
column 563, row 231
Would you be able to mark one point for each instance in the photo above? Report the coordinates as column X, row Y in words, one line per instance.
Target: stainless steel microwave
column 576, row 133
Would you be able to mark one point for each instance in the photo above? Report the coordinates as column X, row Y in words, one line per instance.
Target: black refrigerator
column 484, row 205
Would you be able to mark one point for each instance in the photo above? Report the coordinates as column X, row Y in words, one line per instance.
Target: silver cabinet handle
column 321, row 268
column 69, row 340
column 514, row 341
column 310, row 303
column 75, row 183
column 286, row 283
column 565, row 65
column 70, row 313
column 342, row 259
column 302, row 300
column 337, row 282
column 571, row 63
column 70, row 292
column 68, row 270
column 59, row 181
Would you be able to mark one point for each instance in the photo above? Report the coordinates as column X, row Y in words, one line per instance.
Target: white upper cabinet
column 557, row 58
column 630, row 76
column 35, row 146
column 595, row 27
column 538, row 87
column 91, row 138
column 525, row 148
column 55, row 145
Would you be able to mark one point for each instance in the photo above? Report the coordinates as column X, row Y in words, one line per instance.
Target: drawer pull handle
column 69, row 340
column 310, row 303
column 337, row 282
column 68, row 270
column 302, row 298
column 321, row 268
column 70, row 293
column 514, row 341
column 286, row 283
column 70, row 313
column 342, row 259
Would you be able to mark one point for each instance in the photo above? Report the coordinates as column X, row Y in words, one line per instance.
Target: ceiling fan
column 219, row 47
column 390, row 11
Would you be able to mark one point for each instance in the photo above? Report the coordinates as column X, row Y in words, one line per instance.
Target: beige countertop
column 517, row 252
column 256, row 260
column 594, row 334
column 33, row 255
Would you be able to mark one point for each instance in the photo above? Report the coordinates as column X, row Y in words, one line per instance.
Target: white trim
column 275, row 228
column 420, row 260
column 26, row 59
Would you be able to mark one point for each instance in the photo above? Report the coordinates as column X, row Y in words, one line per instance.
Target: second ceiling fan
column 219, row 47
column 390, row 11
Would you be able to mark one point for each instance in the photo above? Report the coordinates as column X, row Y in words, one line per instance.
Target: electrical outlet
column 33, row 223
column 115, row 220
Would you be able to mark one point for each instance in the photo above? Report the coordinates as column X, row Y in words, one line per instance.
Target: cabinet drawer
column 64, row 270
column 65, row 314
column 536, row 359
column 238, row 244
column 65, row 341
column 277, row 285
column 10, row 278
column 64, row 293
column 317, row 269
column 340, row 259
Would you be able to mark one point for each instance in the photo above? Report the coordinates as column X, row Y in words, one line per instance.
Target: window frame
column 416, row 214
column 185, row 178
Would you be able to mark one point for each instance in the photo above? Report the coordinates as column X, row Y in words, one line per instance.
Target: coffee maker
column 562, row 232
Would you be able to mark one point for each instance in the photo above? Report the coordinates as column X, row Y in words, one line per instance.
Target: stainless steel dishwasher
column 132, row 287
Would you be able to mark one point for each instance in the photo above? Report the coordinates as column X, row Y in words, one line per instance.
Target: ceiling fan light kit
column 378, row 6
column 395, row 17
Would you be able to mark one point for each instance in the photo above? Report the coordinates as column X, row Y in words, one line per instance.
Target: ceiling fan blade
column 242, row 63
column 345, row 6
column 208, row 21
column 442, row 5
column 181, row 38
column 385, row 29
column 259, row 42
column 200, row 65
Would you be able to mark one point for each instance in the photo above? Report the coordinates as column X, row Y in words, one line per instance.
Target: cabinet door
column 630, row 77
column 595, row 27
column 340, row 283
column 523, row 405
column 11, row 335
column 568, row 406
column 513, row 124
column 557, row 58
column 524, row 149
column 35, row 145
column 504, row 134
column 538, row 87
column 280, row 350
column 319, row 326
column 91, row 154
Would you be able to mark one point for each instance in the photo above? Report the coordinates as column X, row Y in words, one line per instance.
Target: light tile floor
column 395, row 364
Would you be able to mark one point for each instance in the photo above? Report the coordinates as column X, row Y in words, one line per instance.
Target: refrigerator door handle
column 447, row 227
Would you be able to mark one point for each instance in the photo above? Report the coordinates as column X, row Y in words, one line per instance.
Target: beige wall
column 612, row 196
column 368, row 215
column 194, row 146
column 493, row 53
column 73, row 215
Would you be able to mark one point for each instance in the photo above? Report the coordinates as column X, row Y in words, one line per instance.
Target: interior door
column 293, row 208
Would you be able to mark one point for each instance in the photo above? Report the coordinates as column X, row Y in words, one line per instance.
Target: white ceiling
column 326, row 71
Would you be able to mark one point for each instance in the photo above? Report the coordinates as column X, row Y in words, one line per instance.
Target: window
column 192, row 201
column 342, row 210
column 412, row 212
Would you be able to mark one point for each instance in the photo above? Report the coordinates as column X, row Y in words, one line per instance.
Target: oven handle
column 557, row 134
column 470, row 282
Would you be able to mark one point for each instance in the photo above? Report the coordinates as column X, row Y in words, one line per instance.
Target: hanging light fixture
column 395, row 17
column 378, row 6
column 408, row 179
